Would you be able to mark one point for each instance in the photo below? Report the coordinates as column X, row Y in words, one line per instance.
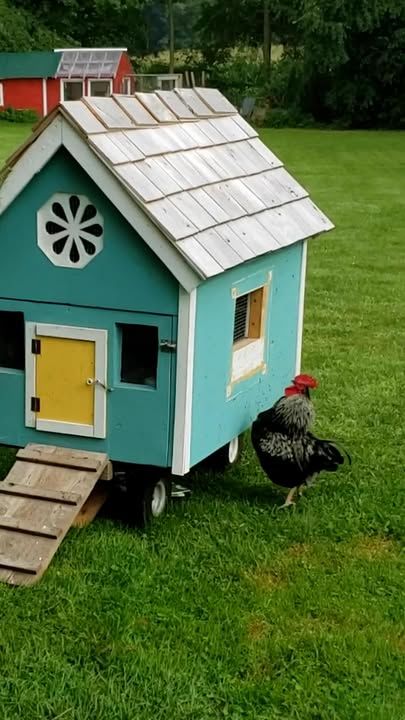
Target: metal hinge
column 35, row 404
column 36, row 347
column 168, row 346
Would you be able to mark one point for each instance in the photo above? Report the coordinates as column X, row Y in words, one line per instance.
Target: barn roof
column 14, row 65
column 88, row 62
column 63, row 63
column 199, row 172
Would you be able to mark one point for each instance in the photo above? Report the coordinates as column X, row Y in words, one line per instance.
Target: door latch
column 168, row 346
column 94, row 381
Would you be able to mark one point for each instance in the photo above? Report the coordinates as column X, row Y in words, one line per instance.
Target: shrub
column 288, row 117
column 11, row 114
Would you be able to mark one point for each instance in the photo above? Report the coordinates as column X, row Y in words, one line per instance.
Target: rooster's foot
column 288, row 503
column 290, row 498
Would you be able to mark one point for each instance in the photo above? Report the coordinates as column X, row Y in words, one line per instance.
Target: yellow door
column 63, row 367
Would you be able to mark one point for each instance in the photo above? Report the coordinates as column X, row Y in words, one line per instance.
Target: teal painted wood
column 125, row 275
column 216, row 418
column 139, row 418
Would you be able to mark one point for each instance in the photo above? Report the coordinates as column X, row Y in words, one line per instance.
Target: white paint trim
column 184, row 382
column 111, row 186
column 35, row 157
column 99, row 337
column 70, row 80
column 301, row 307
column 66, row 428
column 95, row 80
column 59, row 133
column 44, row 97
column 70, row 332
column 30, row 374
column 1, row 94
column 88, row 49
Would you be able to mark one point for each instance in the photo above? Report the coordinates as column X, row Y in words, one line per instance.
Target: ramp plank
column 39, row 493
column 39, row 501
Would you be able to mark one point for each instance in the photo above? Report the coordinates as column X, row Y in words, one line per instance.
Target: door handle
column 94, row 381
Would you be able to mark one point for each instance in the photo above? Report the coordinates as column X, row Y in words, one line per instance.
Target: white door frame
column 99, row 337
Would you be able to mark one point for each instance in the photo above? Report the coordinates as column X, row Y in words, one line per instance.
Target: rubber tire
column 226, row 457
column 144, row 500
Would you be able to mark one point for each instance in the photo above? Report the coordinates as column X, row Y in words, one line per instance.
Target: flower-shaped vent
column 70, row 230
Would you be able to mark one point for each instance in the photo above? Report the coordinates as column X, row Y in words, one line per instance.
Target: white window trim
column 248, row 355
column 70, row 81
column 72, row 230
column 1, row 94
column 93, row 80
column 44, row 96
column 184, row 382
column 99, row 337
column 301, row 307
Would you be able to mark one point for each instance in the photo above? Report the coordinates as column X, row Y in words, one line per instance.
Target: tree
column 170, row 14
column 224, row 25
column 19, row 31
column 352, row 61
column 266, row 35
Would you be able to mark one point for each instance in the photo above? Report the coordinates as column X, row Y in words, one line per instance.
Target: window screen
column 139, row 354
column 241, row 317
column 100, row 88
column 72, row 90
column 12, row 340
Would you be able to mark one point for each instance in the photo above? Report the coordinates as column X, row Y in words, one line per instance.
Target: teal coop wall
column 125, row 277
column 216, row 418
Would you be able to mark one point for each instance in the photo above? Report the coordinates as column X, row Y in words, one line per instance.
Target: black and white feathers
column 288, row 452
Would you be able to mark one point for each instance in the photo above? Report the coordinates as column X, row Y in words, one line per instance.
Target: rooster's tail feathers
column 330, row 455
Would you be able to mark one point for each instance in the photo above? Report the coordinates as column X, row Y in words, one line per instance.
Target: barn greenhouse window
column 70, row 230
column 249, row 331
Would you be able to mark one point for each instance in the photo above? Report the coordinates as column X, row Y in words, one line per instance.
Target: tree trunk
column 266, row 36
column 170, row 10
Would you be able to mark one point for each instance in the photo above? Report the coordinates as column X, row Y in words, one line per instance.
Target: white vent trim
column 70, row 230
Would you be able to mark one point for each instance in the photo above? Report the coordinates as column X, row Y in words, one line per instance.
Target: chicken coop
column 153, row 255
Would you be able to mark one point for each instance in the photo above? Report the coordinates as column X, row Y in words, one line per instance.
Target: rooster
column 288, row 452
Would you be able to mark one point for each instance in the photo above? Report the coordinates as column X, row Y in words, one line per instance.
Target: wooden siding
column 222, row 409
column 125, row 275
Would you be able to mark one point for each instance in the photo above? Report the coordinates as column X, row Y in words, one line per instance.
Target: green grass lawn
column 229, row 608
column 11, row 136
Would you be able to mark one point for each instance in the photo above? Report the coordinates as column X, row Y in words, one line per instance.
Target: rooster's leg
column 290, row 498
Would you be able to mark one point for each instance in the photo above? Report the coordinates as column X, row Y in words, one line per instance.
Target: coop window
column 72, row 89
column 1, row 95
column 100, row 88
column 248, row 316
column 12, row 340
column 249, row 329
column 139, row 354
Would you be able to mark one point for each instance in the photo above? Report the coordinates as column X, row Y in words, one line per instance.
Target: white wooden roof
column 200, row 173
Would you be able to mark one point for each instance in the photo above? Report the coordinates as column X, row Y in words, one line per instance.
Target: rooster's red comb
column 305, row 381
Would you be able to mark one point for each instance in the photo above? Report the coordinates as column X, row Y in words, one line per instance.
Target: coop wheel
column 226, row 456
column 151, row 499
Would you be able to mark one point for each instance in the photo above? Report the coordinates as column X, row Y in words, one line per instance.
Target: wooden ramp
column 40, row 499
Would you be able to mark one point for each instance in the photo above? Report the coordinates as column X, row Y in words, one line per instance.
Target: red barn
column 40, row 80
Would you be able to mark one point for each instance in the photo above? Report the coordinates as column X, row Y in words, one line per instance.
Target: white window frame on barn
column 1, row 95
column 249, row 340
column 106, row 81
column 65, row 82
